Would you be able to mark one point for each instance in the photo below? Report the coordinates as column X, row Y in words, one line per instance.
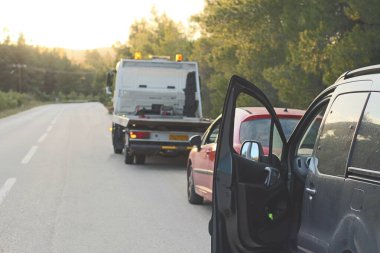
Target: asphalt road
column 63, row 190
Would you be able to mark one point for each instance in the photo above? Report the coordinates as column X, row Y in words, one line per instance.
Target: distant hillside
column 78, row 56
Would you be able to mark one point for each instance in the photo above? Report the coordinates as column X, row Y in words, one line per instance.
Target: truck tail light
column 139, row 135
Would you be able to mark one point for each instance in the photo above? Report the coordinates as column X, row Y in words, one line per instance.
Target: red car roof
column 261, row 111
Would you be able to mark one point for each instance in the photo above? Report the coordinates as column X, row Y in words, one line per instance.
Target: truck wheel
column 192, row 196
column 118, row 138
column 128, row 159
column 118, row 150
column 140, row 159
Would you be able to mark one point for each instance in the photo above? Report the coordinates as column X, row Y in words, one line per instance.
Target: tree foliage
column 291, row 49
column 159, row 36
column 48, row 73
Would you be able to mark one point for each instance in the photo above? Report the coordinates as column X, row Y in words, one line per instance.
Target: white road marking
column 6, row 188
column 56, row 117
column 42, row 138
column 49, row 128
column 29, row 155
column 55, row 120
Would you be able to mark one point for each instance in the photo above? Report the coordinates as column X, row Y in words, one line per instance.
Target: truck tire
column 128, row 159
column 117, row 150
column 118, row 138
column 140, row 159
column 192, row 196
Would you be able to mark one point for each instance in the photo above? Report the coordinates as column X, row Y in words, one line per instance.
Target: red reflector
column 139, row 135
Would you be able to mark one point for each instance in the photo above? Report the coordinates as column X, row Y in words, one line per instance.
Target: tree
column 246, row 37
column 291, row 49
column 158, row 36
column 46, row 72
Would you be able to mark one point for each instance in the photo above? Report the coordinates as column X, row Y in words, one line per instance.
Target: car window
column 335, row 139
column 307, row 143
column 366, row 151
column 256, row 130
column 213, row 134
column 259, row 129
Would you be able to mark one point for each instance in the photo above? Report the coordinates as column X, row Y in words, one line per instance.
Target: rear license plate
column 174, row 137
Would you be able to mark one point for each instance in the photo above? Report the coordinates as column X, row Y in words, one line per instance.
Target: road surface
column 63, row 190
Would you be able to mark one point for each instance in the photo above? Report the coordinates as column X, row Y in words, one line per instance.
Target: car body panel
column 339, row 206
column 203, row 160
column 237, row 180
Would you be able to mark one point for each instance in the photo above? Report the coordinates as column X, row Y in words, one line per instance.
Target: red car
column 251, row 123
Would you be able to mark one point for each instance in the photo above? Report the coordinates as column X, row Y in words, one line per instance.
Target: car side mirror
column 252, row 150
column 196, row 141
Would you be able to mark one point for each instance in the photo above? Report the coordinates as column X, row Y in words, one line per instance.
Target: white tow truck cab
column 157, row 107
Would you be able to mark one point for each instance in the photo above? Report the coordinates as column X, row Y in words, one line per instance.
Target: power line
column 72, row 72
column 64, row 71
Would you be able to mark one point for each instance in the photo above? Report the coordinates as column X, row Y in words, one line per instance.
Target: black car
column 317, row 192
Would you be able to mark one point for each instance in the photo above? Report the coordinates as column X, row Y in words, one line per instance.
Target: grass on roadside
column 13, row 102
column 24, row 107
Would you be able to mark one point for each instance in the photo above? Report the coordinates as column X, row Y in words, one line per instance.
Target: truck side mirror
column 252, row 150
column 196, row 140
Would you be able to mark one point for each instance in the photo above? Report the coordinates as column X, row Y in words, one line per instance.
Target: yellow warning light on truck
column 178, row 57
column 138, row 56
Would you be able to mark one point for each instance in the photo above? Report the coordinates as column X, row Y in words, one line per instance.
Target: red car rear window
column 259, row 129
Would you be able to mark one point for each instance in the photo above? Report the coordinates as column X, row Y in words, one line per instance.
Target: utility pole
column 20, row 68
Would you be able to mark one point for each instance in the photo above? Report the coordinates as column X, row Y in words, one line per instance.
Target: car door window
column 307, row 143
column 366, row 151
column 335, row 139
column 213, row 134
column 277, row 144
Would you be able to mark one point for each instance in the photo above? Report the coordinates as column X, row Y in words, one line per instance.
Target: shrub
column 11, row 99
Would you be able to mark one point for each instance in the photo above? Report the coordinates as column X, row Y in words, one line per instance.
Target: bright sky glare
column 83, row 24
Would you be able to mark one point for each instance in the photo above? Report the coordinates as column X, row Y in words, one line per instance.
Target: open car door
column 250, row 195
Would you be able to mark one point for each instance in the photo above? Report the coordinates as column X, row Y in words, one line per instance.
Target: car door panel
column 313, row 235
column 203, row 169
column 360, row 220
column 243, row 203
column 269, row 204
column 199, row 165
column 210, row 170
column 203, row 162
column 324, row 198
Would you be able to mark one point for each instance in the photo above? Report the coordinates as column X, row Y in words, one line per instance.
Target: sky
column 84, row 24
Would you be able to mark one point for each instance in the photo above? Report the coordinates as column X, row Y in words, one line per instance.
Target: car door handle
column 272, row 177
column 311, row 191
